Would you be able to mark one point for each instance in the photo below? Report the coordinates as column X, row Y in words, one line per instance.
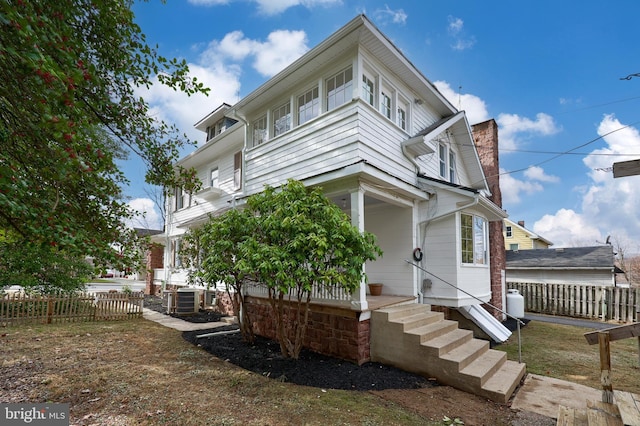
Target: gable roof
column 599, row 257
column 530, row 233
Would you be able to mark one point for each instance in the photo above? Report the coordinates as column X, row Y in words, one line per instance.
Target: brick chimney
column 485, row 135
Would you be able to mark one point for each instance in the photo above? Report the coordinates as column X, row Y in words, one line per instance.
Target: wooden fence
column 46, row 309
column 587, row 301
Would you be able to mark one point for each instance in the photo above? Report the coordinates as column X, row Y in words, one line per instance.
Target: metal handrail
column 518, row 321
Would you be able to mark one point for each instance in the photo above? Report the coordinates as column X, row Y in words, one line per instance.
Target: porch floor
column 382, row 301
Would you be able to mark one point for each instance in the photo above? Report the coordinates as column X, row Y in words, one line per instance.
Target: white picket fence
column 576, row 300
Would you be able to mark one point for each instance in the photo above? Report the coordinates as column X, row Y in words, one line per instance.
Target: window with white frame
column 385, row 103
column 473, row 239
column 403, row 108
column 453, row 175
column 368, row 89
column 514, row 247
column 282, row 119
column 339, row 88
column 237, row 170
column 442, row 159
column 214, row 178
column 308, row 106
column 260, row 133
column 182, row 199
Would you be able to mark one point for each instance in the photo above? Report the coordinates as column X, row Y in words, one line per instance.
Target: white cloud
column 147, row 215
column 475, row 108
column 455, row 25
column 512, row 188
column 274, row 7
column 281, row 48
column 456, row 30
column 566, row 228
column 386, row 15
column 513, row 128
column 609, row 206
column 538, row 173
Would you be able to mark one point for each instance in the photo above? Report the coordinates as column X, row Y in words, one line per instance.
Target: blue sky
column 549, row 72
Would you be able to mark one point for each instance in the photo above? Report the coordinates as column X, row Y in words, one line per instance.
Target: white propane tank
column 515, row 303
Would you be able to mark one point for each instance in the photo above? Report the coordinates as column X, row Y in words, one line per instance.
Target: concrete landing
column 544, row 395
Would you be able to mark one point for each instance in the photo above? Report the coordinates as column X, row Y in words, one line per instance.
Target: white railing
column 331, row 293
column 581, row 300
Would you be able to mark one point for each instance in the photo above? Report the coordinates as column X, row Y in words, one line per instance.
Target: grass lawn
column 139, row 372
column 562, row 352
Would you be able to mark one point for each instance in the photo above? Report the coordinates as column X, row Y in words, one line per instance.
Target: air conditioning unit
column 187, row 301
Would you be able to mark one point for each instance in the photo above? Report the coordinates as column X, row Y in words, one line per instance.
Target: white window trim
column 485, row 240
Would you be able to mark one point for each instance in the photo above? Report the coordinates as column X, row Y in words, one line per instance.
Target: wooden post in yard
column 605, row 367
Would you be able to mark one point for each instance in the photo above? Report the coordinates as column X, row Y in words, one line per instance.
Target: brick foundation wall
column 485, row 135
column 332, row 334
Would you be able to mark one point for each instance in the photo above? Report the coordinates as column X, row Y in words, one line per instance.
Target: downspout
column 423, row 226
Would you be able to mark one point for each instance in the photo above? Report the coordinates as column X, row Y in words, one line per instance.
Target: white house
column 354, row 116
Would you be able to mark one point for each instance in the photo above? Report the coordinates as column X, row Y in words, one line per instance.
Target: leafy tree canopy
column 69, row 111
column 291, row 239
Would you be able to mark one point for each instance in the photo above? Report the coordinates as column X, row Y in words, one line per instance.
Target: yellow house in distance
column 517, row 237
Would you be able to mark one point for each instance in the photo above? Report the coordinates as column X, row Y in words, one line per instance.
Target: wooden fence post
column 605, row 367
column 49, row 309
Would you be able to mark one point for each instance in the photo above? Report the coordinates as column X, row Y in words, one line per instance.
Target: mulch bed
column 311, row 369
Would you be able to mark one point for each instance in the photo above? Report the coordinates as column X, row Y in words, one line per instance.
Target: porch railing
column 331, row 293
column 581, row 300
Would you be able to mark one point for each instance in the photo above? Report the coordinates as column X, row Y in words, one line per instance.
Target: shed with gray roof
column 571, row 265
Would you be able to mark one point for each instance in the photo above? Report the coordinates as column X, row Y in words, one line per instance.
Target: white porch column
column 359, row 297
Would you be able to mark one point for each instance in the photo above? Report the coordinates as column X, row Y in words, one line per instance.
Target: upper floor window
column 182, row 198
column 237, row 170
column 214, row 178
column 403, row 108
column 368, row 90
column 473, row 239
column 260, row 133
column 282, row 119
column 453, row 175
column 442, row 158
column 339, row 88
column 385, row 104
column 308, row 106
column 509, row 231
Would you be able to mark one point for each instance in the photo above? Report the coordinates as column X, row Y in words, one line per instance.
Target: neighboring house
column 571, row 265
column 517, row 237
column 355, row 117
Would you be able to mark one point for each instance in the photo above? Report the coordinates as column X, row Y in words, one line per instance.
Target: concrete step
column 483, row 367
column 398, row 311
column 427, row 332
column 418, row 320
column 448, row 342
column 501, row 384
column 463, row 354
